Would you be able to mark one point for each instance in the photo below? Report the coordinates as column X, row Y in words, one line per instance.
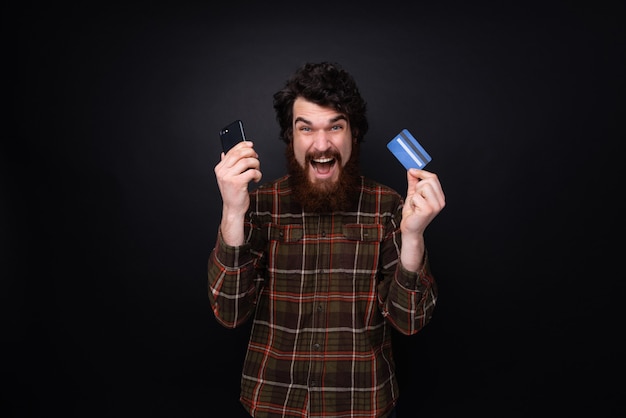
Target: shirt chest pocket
column 360, row 248
column 285, row 247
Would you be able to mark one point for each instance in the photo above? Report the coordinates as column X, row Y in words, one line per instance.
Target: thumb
column 412, row 179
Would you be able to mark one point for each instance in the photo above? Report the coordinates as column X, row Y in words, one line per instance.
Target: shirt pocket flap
column 363, row 232
column 285, row 233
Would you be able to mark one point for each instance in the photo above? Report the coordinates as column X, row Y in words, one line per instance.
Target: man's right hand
column 234, row 172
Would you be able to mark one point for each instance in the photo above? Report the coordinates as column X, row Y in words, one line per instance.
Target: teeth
column 323, row 160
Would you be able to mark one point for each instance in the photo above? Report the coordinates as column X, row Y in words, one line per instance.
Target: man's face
column 322, row 142
column 322, row 161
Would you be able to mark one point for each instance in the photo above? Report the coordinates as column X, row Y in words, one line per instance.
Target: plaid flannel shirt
column 324, row 290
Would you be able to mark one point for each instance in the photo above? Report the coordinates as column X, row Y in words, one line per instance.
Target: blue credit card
column 408, row 151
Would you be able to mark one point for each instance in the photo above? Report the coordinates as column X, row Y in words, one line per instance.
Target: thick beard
column 325, row 197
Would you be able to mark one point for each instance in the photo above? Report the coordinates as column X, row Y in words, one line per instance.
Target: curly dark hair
column 325, row 84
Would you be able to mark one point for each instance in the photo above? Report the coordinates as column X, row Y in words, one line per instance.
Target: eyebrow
column 308, row 122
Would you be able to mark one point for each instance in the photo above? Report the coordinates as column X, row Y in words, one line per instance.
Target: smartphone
column 232, row 134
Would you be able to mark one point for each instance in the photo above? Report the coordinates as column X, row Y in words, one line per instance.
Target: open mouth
column 323, row 165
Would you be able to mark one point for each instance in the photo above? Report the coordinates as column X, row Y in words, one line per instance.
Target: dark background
column 110, row 206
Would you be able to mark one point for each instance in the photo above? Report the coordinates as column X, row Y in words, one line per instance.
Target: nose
column 321, row 141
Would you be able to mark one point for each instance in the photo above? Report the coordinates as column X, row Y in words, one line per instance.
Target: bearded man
column 323, row 260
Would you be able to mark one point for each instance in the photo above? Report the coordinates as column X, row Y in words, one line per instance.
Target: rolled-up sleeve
column 231, row 289
column 410, row 299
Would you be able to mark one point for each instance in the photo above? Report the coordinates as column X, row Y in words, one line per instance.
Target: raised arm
column 423, row 202
column 234, row 172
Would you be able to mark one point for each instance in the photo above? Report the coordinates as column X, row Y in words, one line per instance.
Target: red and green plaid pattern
column 324, row 290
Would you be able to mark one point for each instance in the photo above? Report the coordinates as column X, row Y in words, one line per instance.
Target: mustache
column 318, row 155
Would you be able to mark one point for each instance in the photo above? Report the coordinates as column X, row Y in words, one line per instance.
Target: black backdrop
column 110, row 206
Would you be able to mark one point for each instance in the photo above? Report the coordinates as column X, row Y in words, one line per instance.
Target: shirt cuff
column 417, row 281
column 232, row 257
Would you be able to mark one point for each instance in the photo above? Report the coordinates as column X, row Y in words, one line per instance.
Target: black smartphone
column 232, row 134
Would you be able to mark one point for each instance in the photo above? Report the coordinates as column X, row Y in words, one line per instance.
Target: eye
column 304, row 129
column 337, row 127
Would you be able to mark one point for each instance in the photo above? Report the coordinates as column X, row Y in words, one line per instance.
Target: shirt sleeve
column 406, row 299
column 231, row 283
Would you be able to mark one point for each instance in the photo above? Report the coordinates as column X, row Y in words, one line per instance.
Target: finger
column 242, row 145
column 243, row 166
column 256, row 175
column 426, row 179
column 240, row 148
column 239, row 159
column 412, row 181
column 415, row 175
column 421, row 174
column 430, row 193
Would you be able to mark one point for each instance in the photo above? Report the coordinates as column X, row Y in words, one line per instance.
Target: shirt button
column 316, row 346
column 319, row 308
column 313, row 383
column 323, row 233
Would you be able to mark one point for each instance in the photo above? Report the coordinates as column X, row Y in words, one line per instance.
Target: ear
column 355, row 136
